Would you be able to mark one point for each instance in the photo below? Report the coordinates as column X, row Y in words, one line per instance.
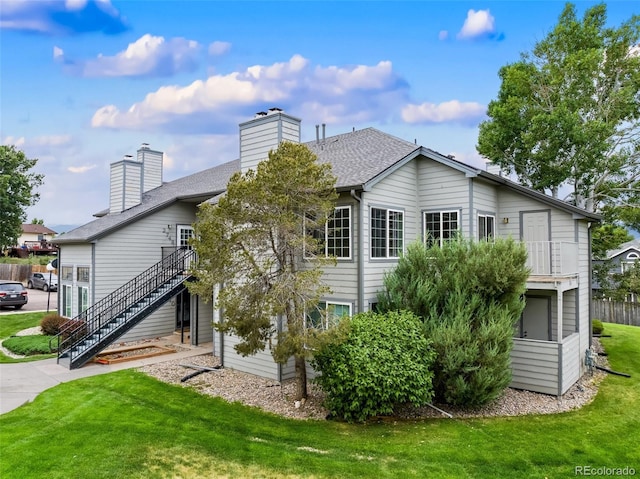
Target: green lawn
column 10, row 324
column 128, row 425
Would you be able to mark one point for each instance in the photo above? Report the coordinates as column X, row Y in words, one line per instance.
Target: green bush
column 374, row 362
column 28, row 345
column 469, row 295
column 597, row 327
column 51, row 324
column 73, row 330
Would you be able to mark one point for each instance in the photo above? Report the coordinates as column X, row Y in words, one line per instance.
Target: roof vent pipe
column 324, row 126
column 317, row 134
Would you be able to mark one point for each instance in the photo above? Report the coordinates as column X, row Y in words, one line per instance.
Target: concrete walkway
column 20, row 383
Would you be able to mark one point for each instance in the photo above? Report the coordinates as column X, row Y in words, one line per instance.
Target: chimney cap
column 261, row 113
column 274, row 110
column 144, row 146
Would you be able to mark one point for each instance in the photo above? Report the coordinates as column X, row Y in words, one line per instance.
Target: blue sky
column 85, row 82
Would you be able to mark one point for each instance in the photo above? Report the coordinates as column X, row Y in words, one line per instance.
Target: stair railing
column 101, row 313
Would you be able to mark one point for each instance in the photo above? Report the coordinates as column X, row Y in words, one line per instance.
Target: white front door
column 536, row 319
column 535, row 233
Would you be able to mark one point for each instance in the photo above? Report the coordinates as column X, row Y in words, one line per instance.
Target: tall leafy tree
column 17, row 192
column 257, row 243
column 568, row 114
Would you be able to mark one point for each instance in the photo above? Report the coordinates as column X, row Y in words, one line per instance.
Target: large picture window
column 486, row 227
column 440, row 226
column 387, row 233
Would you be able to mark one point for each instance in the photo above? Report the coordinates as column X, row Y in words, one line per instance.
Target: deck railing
column 552, row 258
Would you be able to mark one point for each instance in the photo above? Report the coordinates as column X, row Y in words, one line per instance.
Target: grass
column 41, row 260
column 10, row 324
column 127, row 424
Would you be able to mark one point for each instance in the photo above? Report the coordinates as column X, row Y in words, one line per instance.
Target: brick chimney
column 264, row 133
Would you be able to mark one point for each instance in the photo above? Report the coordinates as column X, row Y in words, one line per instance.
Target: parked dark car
column 12, row 293
column 41, row 281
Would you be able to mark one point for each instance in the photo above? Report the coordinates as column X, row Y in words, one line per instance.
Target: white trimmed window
column 387, row 233
column 327, row 314
column 338, row 233
column 486, row 227
column 83, row 298
column 335, row 239
column 67, row 301
column 185, row 233
column 440, row 226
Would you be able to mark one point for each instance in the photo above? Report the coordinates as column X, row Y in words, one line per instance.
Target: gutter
column 360, row 284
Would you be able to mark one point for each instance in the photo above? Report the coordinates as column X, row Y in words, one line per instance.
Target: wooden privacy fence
column 620, row 312
column 20, row 272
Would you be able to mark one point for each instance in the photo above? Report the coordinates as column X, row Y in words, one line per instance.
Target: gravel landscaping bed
column 278, row 398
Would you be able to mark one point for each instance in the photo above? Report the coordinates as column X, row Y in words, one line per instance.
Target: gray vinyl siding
column 571, row 362
column 396, row 192
column 569, row 313
column 205, row 321
column 126, row 253
column 443, row 188
column 582, row 233
column 485, row 201
column 261, row 364
column 259, row 136
column 535, row 365
column 152, row 168
column 126, row 185
column 342, row 278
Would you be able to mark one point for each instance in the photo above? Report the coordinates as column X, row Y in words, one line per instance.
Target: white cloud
column 219, row 48
column 362, row 91
column 58, row 53
column 80, row 169
column 448, row 111
column 477, row 23
column 53, row 17
column 148, row 56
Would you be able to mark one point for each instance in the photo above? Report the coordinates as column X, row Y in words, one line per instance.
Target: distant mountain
column 59, row 229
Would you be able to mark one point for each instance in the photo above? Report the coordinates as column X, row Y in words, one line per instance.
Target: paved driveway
column 38, row 301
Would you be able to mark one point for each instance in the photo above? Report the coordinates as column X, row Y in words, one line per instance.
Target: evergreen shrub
column 469, row 296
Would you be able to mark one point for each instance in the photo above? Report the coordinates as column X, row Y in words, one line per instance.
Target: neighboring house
column 33, row 233
column 392, row 192
column 35, row 239
column 620, row 260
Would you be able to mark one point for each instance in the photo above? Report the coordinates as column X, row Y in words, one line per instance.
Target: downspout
column 360, row 284
column 590, row 283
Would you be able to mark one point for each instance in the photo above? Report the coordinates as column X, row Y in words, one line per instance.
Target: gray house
column 620, row 260
column 123, row 274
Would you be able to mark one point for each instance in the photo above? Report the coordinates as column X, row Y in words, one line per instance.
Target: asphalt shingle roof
column 356, row 158
column 360, row 156
column 203, row 184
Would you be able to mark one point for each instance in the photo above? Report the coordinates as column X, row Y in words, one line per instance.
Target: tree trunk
column 301, row 377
